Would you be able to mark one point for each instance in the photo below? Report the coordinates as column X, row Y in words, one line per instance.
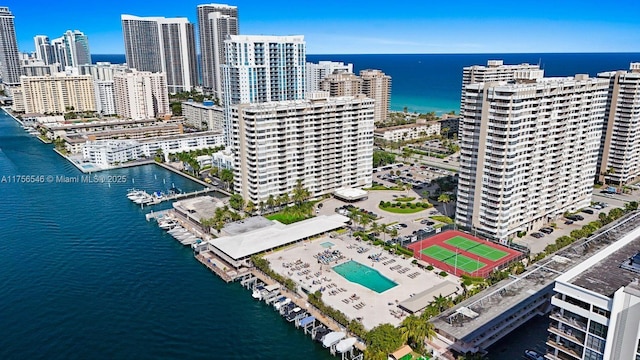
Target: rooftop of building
column 202, row 207
column 246, row 225
column 499, row 64
column 472, row 317
column 406, row 126
column 527, row 83
column 302, row 103
column 253, row 242
column 609, row 270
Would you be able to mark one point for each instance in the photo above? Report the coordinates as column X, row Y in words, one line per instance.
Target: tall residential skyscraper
column 317, row 72
column 76, row 45
column 215, row 23
column 341, row 84
column 44, row 51
column 619, row 160
column 159, row 44
column 9, row 55
column 325, row 142
column 495, row 70
column 528, row 151
column 59, row 53
column 595, row 312
column 261, row 69
column 377, row 85
column 141, row 94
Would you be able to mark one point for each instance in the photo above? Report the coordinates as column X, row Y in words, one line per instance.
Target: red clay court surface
column 458, row 256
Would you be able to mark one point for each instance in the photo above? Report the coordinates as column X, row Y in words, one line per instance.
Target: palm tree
column 261, row 206
column 226, row 175
column 250, row 207
column 284, row 199
column 365, row 221
column 300, row 194
column 354, row 216
column 271, row 202
column 442, row 303
column 414, row 330
column 444, row 199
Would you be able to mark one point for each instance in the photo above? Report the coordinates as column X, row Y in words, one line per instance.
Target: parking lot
column 538, row 244
column 412, row 221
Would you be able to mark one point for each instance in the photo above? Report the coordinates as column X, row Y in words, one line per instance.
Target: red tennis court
column 460, row 253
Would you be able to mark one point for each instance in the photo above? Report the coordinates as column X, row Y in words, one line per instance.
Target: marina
column 143, row 198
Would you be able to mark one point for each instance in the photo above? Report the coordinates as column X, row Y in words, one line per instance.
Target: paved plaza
column 354, row 300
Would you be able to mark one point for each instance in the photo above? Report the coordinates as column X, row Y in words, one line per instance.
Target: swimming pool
column 365, row 276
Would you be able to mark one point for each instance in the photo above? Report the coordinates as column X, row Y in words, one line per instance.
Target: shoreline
column 7, row 110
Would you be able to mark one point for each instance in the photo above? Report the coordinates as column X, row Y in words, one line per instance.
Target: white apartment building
column 38, row 68
column 528, row 151
column 203, row 116
column 408, row 131
column 261, row 69
column 495, row 70
column 105, row 97
column 215, row 23
column 595, row 312
column 58, row 93
column 159, row 44
column 141, row 94
column 43, row 49
column 619, row 160
column 341, row 84
column 9, row 56
column 377, row 85
column 264, row 68
column 326, row 142
column 106, row 153
column 101, row 71
column 315, row 73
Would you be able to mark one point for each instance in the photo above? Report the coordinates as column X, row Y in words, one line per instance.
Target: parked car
column 579, row 217
column 587, row 211
column 568, row 222
column 537, row 235
column 546, row 230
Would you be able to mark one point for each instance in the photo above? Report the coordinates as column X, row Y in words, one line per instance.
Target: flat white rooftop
column 350, row 194
column 246, row 244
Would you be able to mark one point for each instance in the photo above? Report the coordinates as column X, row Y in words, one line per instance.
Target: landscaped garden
column 404, row 206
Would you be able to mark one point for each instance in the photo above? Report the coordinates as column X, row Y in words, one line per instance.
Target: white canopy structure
column 332, row 338
column 345, row 345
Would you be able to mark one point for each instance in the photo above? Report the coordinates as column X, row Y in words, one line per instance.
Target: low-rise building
column 420, row 129
column 203, row 116
column 106, row 153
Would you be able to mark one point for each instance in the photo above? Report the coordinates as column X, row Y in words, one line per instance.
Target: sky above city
column 366, row 27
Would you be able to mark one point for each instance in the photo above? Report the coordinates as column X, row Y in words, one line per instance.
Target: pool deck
column 377, row 306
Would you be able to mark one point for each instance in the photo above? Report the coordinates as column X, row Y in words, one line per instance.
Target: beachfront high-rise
column 325, row 142
column 529, row 149
column 619, row 160
column 76, row 45
column 261, row 69
column 495, row 70
column 341, row 84
column 159, row 44
column 141, row 95
column 377, row 85
column 315, row 73
column 9, row 56
column 44, row 50
column 215, row 23
column 596, row 304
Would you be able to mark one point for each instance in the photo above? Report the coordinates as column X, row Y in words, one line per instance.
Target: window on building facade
column 598, row 329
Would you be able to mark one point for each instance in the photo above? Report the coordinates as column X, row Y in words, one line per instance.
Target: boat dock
column 256, row 276
column 147, row 199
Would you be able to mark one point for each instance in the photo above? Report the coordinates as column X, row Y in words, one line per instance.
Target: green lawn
column 286, row 218
column 406, row 210
column 442, row 218
column 382, row 187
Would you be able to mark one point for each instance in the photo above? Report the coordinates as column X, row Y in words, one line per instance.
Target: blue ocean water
column 431, row 82
column 83, row 275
